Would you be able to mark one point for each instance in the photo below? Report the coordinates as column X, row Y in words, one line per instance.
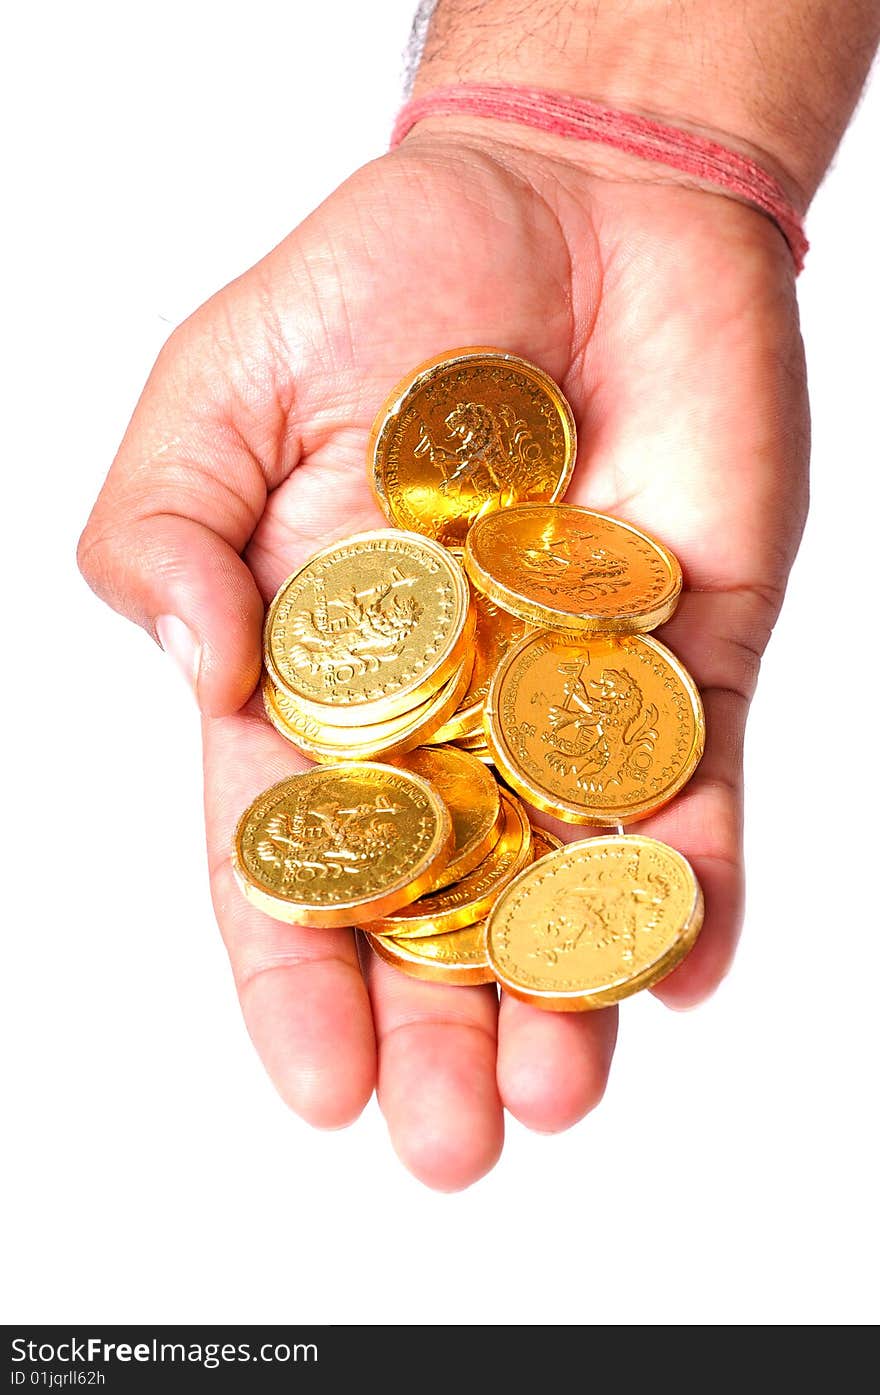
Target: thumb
column 179, row 504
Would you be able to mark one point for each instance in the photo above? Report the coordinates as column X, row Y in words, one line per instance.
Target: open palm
column 668, row 317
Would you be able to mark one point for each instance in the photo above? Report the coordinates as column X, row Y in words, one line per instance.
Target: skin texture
column 668, row 316
column 777, row 81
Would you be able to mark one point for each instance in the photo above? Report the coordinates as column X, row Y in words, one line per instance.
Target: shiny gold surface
column 594, row 922
column 566, row 568
column 470, row 899
column 470, row 793
column 458, row 957
column 495, row 634
column 596, row 730
column 543, row 842
column 477, row 742
column 369, row 627
column 326, row 743
column 341, row 845
column 470, row 431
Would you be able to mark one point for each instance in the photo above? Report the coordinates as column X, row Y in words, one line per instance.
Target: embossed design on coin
column 594, row 921
column 344, row 636
column 562, row 567
column 340, row 844
column 602, row 733
column 595, row 730
column 577, row 565
column 610, row 912
column 328, row 842
column 496, row 456
column 467, row 433
column 368, row 626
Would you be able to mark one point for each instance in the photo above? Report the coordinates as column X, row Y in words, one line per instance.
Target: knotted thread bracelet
column 560, row 114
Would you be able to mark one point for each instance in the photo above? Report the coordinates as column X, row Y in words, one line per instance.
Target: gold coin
column 472, row 743
column 561, row 567
column 470, row 899
column 594, row 730
column 496, row 632
column 326, row 743
column 594, row 922
column 458, row 957
column 481, row 752
column 473, row 799
column 467, row 432
column 543, row 842
column 341, row 845
column 369, row 627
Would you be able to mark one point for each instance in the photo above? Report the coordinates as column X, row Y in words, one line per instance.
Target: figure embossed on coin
column 594, row 730
column 484, row 454
column 340, row 844
column 562, row 567
column 593, row 922
column 346, row 635
column 467, row 433
column 602, row 732
column 368, row 627
column 576, row 565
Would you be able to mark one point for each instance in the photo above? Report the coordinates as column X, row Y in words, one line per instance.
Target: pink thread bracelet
column 561, row 114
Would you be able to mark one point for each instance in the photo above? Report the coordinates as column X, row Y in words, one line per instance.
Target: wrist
column 752, row 85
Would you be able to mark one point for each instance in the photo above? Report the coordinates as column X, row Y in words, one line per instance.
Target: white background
column 150, row 1172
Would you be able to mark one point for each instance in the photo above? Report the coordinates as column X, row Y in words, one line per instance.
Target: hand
column 668, row 317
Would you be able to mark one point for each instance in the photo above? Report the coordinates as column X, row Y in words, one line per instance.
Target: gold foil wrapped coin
column 338, row 845
column 594, row 922
column 495, row 633
column 369, row 627
column 468, row 432
column 458, row 957
column 543, row 842
column 561, row 567
column 595, row 730
column 470, row 899
column 473, row 799
column 326, row 744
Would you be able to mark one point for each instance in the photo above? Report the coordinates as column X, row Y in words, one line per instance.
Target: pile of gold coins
column 487, row 656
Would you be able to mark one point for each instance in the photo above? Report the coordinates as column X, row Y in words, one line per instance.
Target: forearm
column 777, row 78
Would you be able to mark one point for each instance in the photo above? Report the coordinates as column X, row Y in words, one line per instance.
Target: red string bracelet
column 561, row 114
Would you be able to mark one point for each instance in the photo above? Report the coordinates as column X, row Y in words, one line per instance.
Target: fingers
column 437, row 1086
column 180, row 502
column 302, row 994
column 553, row 1067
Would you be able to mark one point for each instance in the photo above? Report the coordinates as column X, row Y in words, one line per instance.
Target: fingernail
column 181, row 645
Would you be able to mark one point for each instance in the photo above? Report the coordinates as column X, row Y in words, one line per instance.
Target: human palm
column 668, row 317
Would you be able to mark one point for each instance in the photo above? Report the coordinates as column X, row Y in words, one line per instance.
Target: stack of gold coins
column 492, row 843
column 368, row 647
column 491, row 626
column 416, row 852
